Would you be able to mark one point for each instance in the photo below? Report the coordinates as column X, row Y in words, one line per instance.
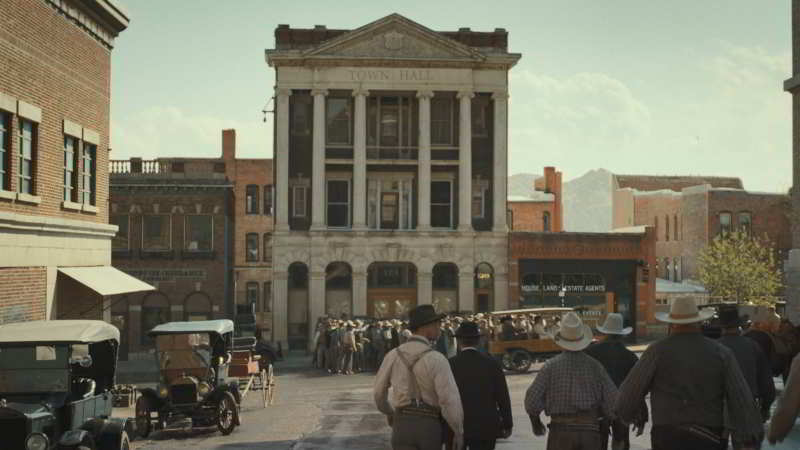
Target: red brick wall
column 51, row 63
column 657, row 210
column 23, row 292
column 528, row 216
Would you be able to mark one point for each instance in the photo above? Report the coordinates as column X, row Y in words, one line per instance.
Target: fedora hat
column 729, row 317
column 684, row 310
column 468, row 330
column 613, row 325
column 423, row 315
column 574, row 335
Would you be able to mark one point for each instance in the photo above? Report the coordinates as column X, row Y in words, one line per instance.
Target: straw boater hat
column 684, row 310
column 613, row 325
column 574, row 335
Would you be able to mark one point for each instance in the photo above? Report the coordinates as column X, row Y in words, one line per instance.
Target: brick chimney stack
column 229, row 145
column 553, row 185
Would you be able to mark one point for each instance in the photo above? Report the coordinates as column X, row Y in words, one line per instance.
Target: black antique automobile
column 55, row 386
column 193, row 359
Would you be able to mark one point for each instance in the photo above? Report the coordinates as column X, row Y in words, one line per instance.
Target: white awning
column 106, row 280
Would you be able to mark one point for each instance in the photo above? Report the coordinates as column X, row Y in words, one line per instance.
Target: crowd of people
column 704, row 393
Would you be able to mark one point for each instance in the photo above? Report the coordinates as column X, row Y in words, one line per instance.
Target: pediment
column 394, row 37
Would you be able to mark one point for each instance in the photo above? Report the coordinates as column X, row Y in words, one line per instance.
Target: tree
column 742, row 268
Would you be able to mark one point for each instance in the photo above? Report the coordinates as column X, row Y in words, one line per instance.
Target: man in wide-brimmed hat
column 618, row 361
column 696, row 388
column 483, row 389
column 573, row 389
column 752, row 361
column 423, row 388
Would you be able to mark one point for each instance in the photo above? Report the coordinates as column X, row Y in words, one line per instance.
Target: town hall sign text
column 391, row 75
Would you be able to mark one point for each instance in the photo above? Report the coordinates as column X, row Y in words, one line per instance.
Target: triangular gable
column 394, row 36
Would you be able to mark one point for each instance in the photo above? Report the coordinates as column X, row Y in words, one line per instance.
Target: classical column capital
column 360, row 92
column 425, row 93
column 282, row 92
column 465, row 94
column 500, row 95
column 319, row 91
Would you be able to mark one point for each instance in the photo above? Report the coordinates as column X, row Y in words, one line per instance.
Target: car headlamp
column 163, row 392
column 204, row 388
column 36, row 441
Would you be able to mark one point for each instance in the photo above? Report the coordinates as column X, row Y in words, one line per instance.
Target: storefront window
column 156, row 232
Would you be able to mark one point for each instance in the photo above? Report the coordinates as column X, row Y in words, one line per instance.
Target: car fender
column 232, row 387
column 72, row 438
column 110, row 432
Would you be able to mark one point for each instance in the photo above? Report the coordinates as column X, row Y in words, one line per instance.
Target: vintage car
column 520, row 352
column 193, row 359
column 55, row 386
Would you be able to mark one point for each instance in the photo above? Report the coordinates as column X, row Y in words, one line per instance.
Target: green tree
column 742, row 268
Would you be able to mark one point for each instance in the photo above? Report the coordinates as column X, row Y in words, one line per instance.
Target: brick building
column 689, row 212
column 55, row 89
column 543, row 211
column 390, row 171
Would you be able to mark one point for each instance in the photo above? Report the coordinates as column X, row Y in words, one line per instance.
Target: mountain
column 587, row 199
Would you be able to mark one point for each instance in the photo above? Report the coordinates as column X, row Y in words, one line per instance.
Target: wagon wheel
column 143, row 424
column 271, row 384
column 226, row 414
column 264, row 387
column 521, row 360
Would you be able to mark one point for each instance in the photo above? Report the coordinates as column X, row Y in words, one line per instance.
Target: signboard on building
column 160, row 275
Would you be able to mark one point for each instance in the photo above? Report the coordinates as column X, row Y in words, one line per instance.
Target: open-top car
column 55, row 386
column 193, row 360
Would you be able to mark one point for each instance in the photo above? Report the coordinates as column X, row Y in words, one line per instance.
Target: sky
column 632, row 86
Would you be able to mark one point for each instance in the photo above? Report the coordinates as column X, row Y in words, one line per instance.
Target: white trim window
column 5, row 150
column 337, row 212
column 199, row 233
column 71, row 148
column 442, row 121
column 442, row 203
column 157, row 232
column 26, row 170
column 299, row 201
column 339, row 120
column 480, row 191
column 390, row 202
column 89, row 174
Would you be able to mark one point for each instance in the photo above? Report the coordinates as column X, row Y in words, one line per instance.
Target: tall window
column 675, row 226
column 667, row 269
column 442, row 204
column 5, row 150
column 121, row 240
column 267, row 247
column 480, row 116
column 251, row 250
column 70, row 163
column 724, row 222
column 89, row 174
column 442, row 121
column 392, row 121
column 156, row 233
column 252, row 294
column 666, row 228
column 479, row 194
column 251, row 199
column 545, row 221
column 27, row 156
column 339, row 120
column 338, row 203
column 745, row 222
column 389, row 203
column 267, row 296
column 299, row 202
column 268, row 195
column 302, row 113
column 199, row 233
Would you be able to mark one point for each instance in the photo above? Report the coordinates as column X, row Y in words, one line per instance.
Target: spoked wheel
column 271, row 384
column 264, row 387
column 505, row 361
column 227, row 413
column 143, row 424
column 521, row 361
column 124, row 442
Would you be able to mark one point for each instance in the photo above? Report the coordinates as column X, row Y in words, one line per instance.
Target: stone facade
column 390, row 172
column 54, row 87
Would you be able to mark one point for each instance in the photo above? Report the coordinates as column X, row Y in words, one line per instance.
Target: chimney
column 136, row 165
column 228, row 145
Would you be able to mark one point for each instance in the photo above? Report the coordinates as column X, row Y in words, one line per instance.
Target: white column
column 424, row 288
column 424, row 162
column 316, row 302
column 360, row 160
column 500, row 173
column 280, row 308
column 281, row 157
column 466, row 290
column 500, row 292
column 465, row 162
column 318, row 162
column 359, row 294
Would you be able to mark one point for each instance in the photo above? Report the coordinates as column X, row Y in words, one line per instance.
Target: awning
column 106, row 280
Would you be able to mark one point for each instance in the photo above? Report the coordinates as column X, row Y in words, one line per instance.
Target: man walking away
column 348, row 349
column 618, row 361
column 423, row 388
column 483, row 389
column 695, row 385
column 788, row 406
column 574, row 390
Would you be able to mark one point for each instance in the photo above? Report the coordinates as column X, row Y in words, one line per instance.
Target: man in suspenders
column 423, row 388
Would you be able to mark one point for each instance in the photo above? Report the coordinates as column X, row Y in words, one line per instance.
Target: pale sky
column 632, row 86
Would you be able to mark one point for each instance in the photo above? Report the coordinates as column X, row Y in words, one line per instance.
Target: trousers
column 416, row 433
column 669, row 437
column 474, row 444
column 565, row 438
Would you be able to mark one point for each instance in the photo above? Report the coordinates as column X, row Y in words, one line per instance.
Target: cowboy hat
column 423, row 315
column 468, row 330
column 574, row 335
column 684, row 310
column 613, row 325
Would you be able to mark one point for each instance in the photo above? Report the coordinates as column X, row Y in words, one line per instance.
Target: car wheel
column 143, row 424
column 226, row 413
column 521, row 360
column 506, row 362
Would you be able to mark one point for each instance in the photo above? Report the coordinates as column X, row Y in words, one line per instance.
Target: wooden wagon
column 245, row 366
column 520, row 353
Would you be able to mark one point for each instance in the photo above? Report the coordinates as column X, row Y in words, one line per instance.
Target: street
column 313, row 410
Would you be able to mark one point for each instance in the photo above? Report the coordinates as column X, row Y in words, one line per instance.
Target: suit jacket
column 484, row 395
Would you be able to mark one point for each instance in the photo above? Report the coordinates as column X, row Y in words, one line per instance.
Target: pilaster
column 501, row 292
column 466, row 290
column 500, row 163
column 316, row 302
column 281, row 157
column 424, row 288
column 280, row 308
column 318, row 161
column 465, row 161
column 424, row 162
column 360, row 160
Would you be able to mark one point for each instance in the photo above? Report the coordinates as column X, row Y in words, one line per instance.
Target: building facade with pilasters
column 390, row 172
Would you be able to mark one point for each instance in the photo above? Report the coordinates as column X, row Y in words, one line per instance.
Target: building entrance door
column 391, row 303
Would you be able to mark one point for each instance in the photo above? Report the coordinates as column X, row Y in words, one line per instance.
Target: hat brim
column 623, row 332
column 575, row 346
column 701, row 316
column 436, row 318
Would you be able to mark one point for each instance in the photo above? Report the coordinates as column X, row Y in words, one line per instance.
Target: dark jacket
column 615, row 357
column 484, row 395
column 755, row 368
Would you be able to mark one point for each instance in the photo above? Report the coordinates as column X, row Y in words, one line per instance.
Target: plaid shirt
column 571, row 383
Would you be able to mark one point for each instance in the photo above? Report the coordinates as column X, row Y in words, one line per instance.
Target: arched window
column 251, row 199
column 546, row 221
column 252, row 295
column 197, row 306
column 675, row 226
column 251, row 251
